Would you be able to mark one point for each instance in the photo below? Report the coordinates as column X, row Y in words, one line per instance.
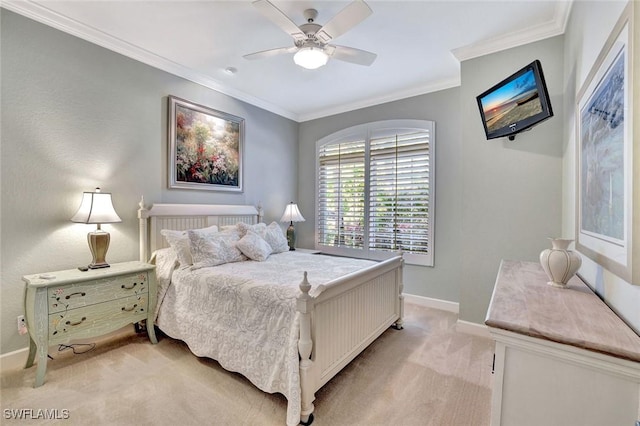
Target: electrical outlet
column 22, row 325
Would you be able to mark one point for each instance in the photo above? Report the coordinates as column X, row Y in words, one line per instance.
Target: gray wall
column 76, row 116
column 512, row 191
column 443, row 107
column 582, row 48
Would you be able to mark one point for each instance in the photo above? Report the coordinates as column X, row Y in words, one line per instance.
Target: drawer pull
column 76, row 322
column 128, row 286
column 129, row 309
column 78, row 293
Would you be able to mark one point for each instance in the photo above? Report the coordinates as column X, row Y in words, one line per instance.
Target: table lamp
column 97, row 208
column 291, row 214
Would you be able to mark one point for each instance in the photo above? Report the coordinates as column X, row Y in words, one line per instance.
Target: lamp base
column 99, row 244
column 291, row 237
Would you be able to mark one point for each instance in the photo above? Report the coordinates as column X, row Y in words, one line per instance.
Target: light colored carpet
column 426, row 374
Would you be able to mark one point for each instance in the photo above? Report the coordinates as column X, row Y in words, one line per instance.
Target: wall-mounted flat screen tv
column 517, row 103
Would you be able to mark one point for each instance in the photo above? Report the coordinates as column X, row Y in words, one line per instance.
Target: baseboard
column 427, row 302
column 13, row 360
column 473, row 328
column 444, row 305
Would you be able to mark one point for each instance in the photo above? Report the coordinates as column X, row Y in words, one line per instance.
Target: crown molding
column 539, row 32
column 396, row 96
column 46, row 16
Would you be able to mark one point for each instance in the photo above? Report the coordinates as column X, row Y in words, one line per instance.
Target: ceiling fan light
column 310, row 57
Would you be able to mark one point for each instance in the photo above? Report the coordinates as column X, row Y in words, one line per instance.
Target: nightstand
column 64, row 305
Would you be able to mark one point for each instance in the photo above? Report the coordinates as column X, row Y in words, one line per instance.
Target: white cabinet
column 562, row 356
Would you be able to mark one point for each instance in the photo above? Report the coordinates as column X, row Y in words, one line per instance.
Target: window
column 376, row 191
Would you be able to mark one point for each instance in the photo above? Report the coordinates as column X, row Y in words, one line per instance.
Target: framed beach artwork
column 205, row 148
column 605, row 165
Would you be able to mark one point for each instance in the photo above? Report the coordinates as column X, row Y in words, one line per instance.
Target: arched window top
column 362, row 130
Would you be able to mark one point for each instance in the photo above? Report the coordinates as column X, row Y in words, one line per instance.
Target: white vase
column 559, row 262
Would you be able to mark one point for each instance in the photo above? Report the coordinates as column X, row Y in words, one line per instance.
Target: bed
column 321, row 314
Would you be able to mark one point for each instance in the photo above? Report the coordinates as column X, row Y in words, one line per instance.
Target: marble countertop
column 524, row 303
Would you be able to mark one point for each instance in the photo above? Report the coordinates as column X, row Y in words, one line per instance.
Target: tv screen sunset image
column 515, row 101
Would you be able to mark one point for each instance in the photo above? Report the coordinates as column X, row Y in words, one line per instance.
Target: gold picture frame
column 205, row 148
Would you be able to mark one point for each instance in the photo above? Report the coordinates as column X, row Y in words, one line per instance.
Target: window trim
column 365, row 131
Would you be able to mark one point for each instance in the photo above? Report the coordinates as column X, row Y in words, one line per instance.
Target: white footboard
column 349, row 314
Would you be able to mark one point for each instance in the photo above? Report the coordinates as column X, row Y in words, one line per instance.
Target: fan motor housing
column 310, row 29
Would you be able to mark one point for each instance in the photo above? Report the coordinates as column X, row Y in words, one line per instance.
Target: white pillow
column 211, row 249
column 258, row 228
column 254, row 246
column 179, row 242
column 276, row 239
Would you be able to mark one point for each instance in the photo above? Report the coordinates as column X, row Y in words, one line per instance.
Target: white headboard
column 187, row 216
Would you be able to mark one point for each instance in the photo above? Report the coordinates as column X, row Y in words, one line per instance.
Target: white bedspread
column 244, row 315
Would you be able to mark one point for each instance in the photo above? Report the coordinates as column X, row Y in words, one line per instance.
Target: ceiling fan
column 311, row 40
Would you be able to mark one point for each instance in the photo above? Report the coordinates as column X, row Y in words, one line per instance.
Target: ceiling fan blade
column 348, row 18
column 270, row 53
column 350, row 54
column 280, row 19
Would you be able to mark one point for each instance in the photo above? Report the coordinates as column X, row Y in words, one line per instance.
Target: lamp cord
column 75, row 348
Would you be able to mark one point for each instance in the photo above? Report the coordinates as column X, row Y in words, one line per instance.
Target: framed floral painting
column 205, row 147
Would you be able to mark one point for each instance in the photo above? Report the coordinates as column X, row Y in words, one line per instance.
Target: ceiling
column 419, row 44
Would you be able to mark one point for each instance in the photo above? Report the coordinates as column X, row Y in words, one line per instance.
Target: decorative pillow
column 254, row 246
column 211, row 249
column 258, row 228
column 179, row 242
column 276, row 239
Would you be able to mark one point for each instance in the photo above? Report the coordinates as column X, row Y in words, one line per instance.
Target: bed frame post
column 305, row 346
column 143, row 216
column 260, row 212
column 398, row 325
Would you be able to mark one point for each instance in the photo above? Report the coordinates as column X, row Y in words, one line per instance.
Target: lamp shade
column 310, row 57
column 96, row 207
column 292, row 214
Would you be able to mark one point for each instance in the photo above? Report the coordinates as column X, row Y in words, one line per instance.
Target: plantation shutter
column 341, row 194
column 399, row 217
column 375, row 184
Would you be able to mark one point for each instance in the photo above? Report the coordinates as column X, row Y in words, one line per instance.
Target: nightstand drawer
column 97, row 319
column 88, row 293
